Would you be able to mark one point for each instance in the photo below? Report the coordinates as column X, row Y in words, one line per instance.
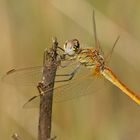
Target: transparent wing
column 28, row 76
column 84, row 83
column 80, row 85
column 97, row 43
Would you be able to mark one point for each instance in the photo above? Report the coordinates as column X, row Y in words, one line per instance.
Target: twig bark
column 46, row 100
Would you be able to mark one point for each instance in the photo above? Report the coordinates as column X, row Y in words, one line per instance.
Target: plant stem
column 46, row 100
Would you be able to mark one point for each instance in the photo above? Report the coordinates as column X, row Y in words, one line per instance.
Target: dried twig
column 46, row 100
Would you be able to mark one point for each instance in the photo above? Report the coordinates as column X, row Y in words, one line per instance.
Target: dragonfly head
column 72, row 47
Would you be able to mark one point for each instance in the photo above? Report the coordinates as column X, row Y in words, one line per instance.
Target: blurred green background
column 26, row 29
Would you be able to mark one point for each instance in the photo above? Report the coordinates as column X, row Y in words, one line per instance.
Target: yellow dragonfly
column 90, row 58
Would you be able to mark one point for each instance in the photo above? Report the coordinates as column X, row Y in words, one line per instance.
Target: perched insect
column 90, row 58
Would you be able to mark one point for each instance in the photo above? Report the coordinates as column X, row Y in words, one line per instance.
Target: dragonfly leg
column 70, row 75
column 40, row 88
column 61, row 49
column 66, row 65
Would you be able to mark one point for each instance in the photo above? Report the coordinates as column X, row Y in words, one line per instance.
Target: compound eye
column 71, row 46
column 76, row 44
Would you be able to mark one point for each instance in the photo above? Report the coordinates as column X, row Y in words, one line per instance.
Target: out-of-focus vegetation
column 26, row 29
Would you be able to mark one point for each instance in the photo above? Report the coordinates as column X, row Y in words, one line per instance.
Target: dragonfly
column 91, row 58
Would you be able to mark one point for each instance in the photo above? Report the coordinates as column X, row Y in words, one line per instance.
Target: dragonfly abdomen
column 109, row 75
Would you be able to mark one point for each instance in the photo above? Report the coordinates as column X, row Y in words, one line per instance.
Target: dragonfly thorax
column 91, row 58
